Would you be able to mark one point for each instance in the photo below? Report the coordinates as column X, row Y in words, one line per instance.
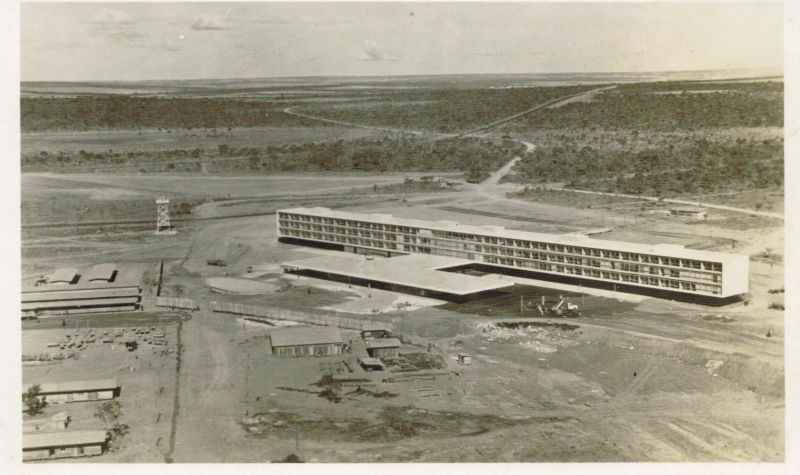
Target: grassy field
column 119, row 111
column 154, row 140
column 49, row 198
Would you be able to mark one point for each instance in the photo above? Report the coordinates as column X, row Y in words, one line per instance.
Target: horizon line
column 390, row 76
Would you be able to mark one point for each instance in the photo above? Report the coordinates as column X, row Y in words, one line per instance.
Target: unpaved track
column 168, row 457
column 291, row 111
column 209, row 391
column 765, row 214
column 559, row 101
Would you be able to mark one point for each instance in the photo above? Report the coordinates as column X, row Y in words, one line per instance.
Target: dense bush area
column 448, row 110
column 475, row 156
column 133, row 112
column 699, row 167
column 443, row 110
column 667, row 106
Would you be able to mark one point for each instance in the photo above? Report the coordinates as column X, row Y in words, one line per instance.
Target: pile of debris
column 543, row 338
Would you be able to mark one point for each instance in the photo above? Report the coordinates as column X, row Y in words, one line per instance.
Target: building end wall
column 736, row 281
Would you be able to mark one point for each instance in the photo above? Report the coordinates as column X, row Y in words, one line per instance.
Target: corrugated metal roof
column 102, row 272
column 65, row 275
column 670, row 250
column 75, row 386
column 383, row 343
column 43, row 440
column 301, row 335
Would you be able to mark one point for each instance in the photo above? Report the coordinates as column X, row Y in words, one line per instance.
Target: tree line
column 477, row 157
column 135, row 112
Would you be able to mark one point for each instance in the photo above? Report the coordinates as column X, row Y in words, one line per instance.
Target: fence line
column 174, row 302
column 295, row 316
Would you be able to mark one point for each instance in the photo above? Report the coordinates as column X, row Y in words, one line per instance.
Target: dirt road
column 291, row 111
column 494, row 178
column 209, row 391
column 557, row 102
column 765, row 214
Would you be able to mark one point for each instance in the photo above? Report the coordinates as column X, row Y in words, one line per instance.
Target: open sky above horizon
column 139, row 41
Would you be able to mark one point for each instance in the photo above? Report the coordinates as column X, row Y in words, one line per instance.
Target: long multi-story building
column 625, row 266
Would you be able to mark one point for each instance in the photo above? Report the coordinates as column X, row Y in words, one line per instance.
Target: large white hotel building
column 630, row 267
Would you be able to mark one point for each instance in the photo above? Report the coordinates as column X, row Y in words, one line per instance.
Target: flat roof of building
column 62, row 276
column 370, row 361
column 79, row 294
column 83, row 284
column 413, row 270
column 571, row 239
column 382, row 343
column 77, row 303
column 304, row 335
column 44, row 440
column 75, row 386
column 102, row 272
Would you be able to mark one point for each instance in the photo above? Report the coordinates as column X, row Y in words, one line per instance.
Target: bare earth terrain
column 633, row 379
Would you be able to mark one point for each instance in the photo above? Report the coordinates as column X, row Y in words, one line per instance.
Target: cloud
column 117, row 27
column 107, row 17
column 211, row 22
column 372, row 52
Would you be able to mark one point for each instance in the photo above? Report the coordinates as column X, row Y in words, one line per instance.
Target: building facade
column 302, row 341
column 78, row 391
column 625, row 266
column 54, row 445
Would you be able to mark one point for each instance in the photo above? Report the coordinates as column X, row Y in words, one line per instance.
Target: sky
column 140, row 41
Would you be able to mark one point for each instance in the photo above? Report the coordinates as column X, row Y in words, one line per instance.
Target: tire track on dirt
column 168, row 457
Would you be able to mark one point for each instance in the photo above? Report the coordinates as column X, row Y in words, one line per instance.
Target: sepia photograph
column 400, row 232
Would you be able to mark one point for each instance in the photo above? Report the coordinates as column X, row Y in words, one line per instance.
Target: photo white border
column 10, row 417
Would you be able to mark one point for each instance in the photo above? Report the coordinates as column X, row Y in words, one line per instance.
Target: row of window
column 358, row 228
column 607, row 275
column 306, row 350
column 601, row 269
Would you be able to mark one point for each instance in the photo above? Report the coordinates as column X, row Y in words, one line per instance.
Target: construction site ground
column 631, row 380
column 147, row 377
